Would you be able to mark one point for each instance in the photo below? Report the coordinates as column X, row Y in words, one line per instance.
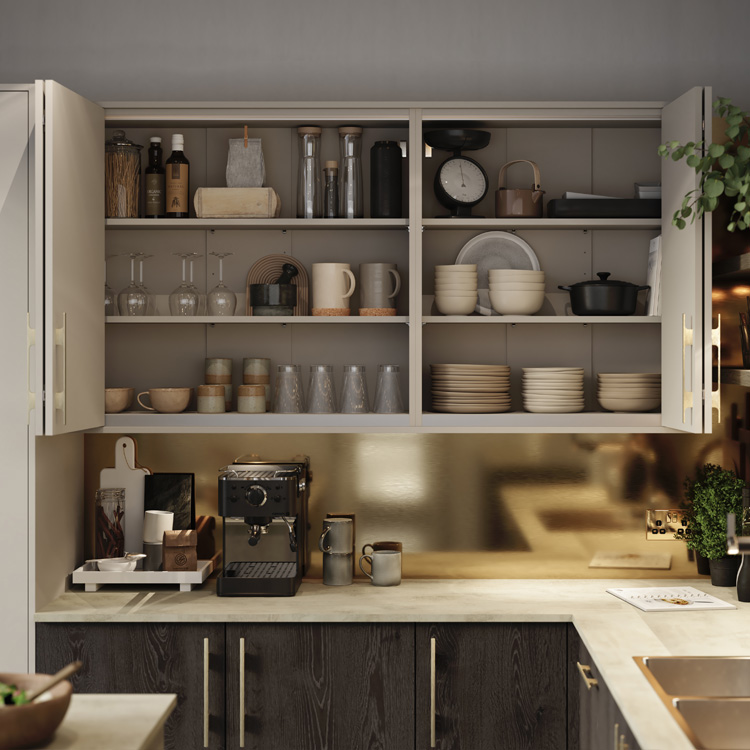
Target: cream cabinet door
column 72, row 250
column 685, row 276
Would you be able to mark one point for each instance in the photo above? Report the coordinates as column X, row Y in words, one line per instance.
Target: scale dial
column 460, row 182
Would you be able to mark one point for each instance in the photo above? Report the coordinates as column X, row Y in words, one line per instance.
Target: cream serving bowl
column 517, row 303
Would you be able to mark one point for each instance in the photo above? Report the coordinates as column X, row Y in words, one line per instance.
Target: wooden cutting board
column 126, row 474
column 657, row 561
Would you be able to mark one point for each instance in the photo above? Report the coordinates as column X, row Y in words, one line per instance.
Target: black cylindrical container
column 385, row 180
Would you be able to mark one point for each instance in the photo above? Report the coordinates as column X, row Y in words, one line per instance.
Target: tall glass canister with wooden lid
column 122, row 177
column 309, row 184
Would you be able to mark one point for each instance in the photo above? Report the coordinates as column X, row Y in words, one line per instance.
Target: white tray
column 653, row 599
column 94, row 579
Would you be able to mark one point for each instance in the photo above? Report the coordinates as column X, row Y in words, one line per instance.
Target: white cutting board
column 132, row 479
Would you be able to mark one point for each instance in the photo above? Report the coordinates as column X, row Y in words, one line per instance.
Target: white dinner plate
column 552, row 409
column 495, row 250
column 472, row 409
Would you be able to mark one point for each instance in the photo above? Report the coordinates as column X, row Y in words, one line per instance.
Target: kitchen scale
column 460, row 182
column 670, row 599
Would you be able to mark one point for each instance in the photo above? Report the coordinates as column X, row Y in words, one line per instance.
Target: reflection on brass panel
column 483, row 506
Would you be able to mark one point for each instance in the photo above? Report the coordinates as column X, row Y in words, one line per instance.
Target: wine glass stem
column 183, row 269
column 221, row 270
column 132, row 269
column 191, row 270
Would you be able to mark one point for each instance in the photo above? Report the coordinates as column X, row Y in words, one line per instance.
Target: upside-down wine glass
column 221, row 299
column 110, row 301
column 150, row 298
column 184, row 299
column 131, row 300
column 201, row 295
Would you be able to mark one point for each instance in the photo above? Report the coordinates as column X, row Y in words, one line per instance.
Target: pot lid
column 603, row 280
column 118, row 139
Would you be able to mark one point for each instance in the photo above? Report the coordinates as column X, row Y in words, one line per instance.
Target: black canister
column 385, row 180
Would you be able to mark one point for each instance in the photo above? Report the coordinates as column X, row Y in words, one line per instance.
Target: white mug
column 332, row 286
column 385, row 565
column 155, row 523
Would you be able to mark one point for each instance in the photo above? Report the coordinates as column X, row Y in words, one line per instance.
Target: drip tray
column 257, row 570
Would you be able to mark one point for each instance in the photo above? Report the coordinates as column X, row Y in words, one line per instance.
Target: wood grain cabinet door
column 495, row 686
column 148, row 658
column 320, row 687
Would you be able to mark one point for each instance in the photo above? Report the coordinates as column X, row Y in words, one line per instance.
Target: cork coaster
column 331, row 311
column 377, row 312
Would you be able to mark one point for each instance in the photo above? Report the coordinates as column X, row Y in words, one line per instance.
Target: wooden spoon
column 63, row 674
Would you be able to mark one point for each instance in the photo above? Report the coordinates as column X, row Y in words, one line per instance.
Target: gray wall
column 385, row 50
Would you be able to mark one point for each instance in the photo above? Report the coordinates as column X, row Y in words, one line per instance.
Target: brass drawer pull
column 585, row 671
column 242, row 692
column 205, row 692
column 432, row 692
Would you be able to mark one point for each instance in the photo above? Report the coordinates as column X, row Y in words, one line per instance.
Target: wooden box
column 181, row 550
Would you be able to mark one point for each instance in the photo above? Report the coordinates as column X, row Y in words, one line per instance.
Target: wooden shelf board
column 256, row 320
column 521, row 224
column 236, row 422
column 541, row 319
column 731, row 269
column 734, row 376
column 256, row 223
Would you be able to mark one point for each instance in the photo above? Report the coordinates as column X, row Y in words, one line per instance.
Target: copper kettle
column 513, row 203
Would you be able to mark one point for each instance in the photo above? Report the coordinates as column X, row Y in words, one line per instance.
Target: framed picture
column 175, row 492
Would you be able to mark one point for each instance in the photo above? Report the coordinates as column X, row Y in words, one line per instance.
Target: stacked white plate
column 456, row 289
column 629, row 391
column 514, row 292
column 553, row 390
column 470, row 389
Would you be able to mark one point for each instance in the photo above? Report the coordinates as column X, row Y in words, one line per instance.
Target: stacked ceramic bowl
column 516, row 292
column 629, row 391
column 456, row 289
column 470, row 389
column 553, row 390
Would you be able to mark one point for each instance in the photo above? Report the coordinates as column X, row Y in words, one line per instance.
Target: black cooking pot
column 603, row 297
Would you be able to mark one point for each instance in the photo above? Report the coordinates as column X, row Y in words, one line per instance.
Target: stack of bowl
column 629, row 391
column 470, row 389
column 553, row 390
column 516, row 292
column 456, row 289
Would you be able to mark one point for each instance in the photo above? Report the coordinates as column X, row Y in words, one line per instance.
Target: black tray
column 457, row 139
column 604, row 208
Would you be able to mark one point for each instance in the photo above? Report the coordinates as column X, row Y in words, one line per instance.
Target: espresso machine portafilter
column 264, row 507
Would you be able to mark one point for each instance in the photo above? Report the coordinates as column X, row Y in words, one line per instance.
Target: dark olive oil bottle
column 155, row 178
column 178, row 181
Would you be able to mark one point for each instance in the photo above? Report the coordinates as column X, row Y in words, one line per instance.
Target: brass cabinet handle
column 432, row 692
column 205, row 692
column 716, row 395
column 585, row 671
column 687, row 395
column 242, row 692
column 616, row 746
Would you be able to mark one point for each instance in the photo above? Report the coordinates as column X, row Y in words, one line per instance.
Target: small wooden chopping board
column 132, row 478
column 657, row 561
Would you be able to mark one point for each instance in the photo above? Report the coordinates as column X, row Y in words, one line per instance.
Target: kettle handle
column 537, row 175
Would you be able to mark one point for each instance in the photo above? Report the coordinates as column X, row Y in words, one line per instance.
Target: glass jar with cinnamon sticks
column 122, row 177
column 110, row 523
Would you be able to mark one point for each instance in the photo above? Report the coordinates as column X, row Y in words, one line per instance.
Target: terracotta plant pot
column 724, row 570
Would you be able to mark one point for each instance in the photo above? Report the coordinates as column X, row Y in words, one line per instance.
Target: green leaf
column 678, row 153
column 679, row 223
column 726, row 161
column 741, row 225
column 662, row 151
column 743, row 152
column 744, row 188
column 713, row 188
column 711, row 204
column 731, row 192
column 715, row 150
column 740, row 206
column 732, row 132
column 686, row 212
column 731, row 226
column 693, row 161
column 674, row 144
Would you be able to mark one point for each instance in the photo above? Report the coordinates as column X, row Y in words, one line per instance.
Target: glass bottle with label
column 155, row 175
column 177, row 181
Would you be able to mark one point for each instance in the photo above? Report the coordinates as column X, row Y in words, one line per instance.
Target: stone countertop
column 612, row 630
column 115, row 722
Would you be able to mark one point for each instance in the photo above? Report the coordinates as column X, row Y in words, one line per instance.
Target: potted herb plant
column 708, row 498
column 724, row 169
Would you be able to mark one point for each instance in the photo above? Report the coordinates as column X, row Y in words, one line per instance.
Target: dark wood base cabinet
column 351, row 686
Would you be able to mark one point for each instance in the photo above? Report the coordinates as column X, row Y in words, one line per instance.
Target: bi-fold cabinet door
column 686, row 277
column 69, row 260
column 320, row 686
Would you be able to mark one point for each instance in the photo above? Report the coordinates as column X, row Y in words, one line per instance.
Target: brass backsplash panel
column 465, row 506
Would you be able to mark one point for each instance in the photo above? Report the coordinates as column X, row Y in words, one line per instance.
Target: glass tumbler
column 321, row 395
column 387, row 391
column 110, row 512
column 354, row 398
column 287, row 397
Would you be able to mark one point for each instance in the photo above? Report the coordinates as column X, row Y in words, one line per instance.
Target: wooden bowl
column 33, row 723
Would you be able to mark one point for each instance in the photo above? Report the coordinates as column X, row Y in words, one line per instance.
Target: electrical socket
column 662, row 525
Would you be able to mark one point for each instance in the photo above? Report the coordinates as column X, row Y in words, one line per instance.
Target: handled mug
column 375, row 290
column 337, row 537
column 375, row 546
column 332, row 286
column 385, row 565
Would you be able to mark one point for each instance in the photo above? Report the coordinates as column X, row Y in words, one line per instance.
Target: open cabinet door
column 686, row 287
column 73, row 250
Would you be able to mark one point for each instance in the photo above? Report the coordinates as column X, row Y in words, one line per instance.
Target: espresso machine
column 264, row 507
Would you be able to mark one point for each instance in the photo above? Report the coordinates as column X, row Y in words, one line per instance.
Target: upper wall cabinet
column 588, row 148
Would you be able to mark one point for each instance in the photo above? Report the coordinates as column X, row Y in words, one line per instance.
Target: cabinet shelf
column 488, row 224
column 236, row 422
column 521, row 421
column 732, row 269
column 256, row 223
column 734, row 376
column 256, row 320
column 540, row 319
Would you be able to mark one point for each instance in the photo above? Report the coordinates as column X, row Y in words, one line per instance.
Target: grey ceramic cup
column 337, row 537
column 379, row 285
column 154, row 553
column 337, row 570
column 385, row 565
